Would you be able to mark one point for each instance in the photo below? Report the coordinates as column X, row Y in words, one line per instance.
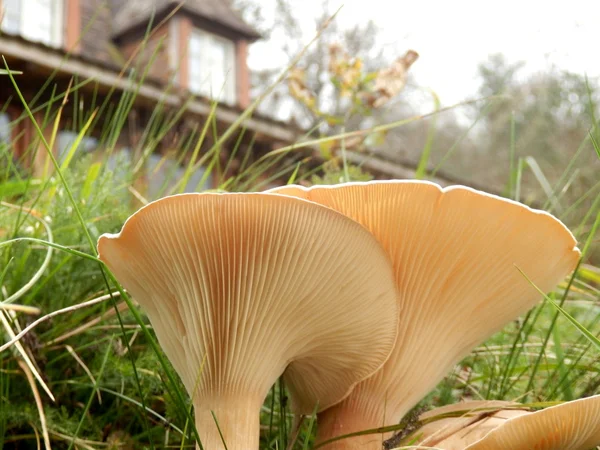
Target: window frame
column 200, row 82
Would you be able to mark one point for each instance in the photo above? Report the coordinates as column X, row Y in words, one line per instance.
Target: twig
column 135, row 335
column 34, row 324
column 85, row 368
column 37, row 436
column 111, row 312
column 38, row 403
column 409, row 423
column 24, row 355
column 138, row 195
column 21, row 308
column 80, row 442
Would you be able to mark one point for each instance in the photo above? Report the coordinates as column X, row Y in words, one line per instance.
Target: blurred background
column 530, row 65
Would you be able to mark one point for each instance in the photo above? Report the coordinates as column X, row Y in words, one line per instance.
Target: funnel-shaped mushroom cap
column 240, row 286
column 571, row 426
column 455, row 253
column 453, row 427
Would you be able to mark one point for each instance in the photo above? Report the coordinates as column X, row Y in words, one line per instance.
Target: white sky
column 453, row 36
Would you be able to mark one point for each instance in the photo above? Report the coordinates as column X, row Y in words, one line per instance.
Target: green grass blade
column 431, row 132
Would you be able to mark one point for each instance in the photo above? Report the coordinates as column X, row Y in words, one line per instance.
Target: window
column 212, row 66
column 7, row 151
column 35, row 20
column 5, row 131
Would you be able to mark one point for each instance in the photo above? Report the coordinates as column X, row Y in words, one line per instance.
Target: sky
column 453, row 37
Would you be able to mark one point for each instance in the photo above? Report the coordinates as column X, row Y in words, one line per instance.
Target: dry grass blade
column 131, row 341
column 38, row 404
column 138, row 195
column 110, row 313
column 21, row 308
column 81, row 443
column 15, row 339
column 85, row 369
column 37, row 436
column 24, row 355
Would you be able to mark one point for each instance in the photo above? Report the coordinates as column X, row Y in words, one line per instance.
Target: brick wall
column 72, row 30
column 156, row 49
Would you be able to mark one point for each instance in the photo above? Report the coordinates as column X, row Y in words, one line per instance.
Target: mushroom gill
column 239, row 287
column 456, row 254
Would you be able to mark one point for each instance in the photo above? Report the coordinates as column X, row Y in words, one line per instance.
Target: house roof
column 133, row 13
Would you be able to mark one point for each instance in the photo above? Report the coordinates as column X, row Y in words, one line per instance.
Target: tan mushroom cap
column 570, row 426
column 453, row 427
column 240, row 286
column 455, row 253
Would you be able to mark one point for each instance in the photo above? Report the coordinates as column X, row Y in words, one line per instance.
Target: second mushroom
column 459, row 256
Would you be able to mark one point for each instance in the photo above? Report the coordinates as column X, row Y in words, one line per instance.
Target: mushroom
column 454, row 427
column 239, row 287
column 572, row 425
column 456, row 254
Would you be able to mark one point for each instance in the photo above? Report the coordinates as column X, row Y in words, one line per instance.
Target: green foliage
column 334, row 174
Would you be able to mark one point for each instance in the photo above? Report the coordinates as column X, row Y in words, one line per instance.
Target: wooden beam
column 16, row 48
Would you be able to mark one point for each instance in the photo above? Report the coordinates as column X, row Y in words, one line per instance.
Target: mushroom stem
column 342, row 419
column 238, row 420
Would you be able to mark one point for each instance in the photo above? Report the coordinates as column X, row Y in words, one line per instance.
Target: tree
column 277, row 21
column 343, row 82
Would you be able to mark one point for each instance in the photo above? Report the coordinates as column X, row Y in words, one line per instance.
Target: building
column 172, row 55
column 168, row 54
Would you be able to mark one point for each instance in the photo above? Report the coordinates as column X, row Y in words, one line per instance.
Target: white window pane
column 230, row 73
column 195, row 76
column 195, row 61
column 218, row 69
column 212, row 66
column 195, row 46
column 40, row 20
column 195, row 64
column 12, row 16
column 36, row 20
column 57, row 22
column 5, row 134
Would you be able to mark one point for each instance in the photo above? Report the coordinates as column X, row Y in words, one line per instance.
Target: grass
column 91, row 375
